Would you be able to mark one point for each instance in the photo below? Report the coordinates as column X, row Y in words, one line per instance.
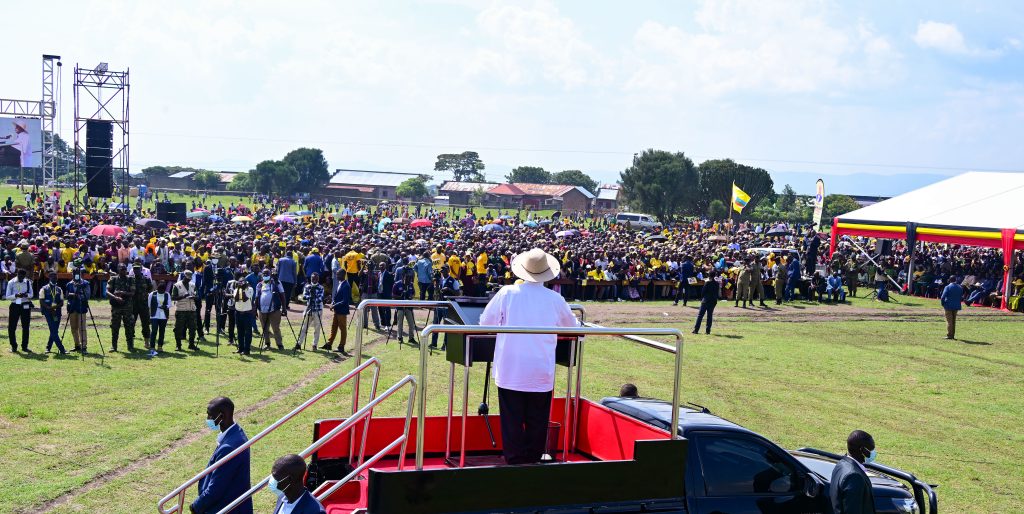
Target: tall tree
column 837, row 205
column 311, row 168
column 575, row 178
column 718, row 175
column 529, row 175
column 464, row 167
column 787, row 200
column 206, row 179
column 413, row 188
column 273, row 177
column 240, row 182
column 660, row 183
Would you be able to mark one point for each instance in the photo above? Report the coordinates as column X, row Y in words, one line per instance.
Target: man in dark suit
column 286, row 481
column 386, row 284
column 231, row 480
column 850, row 488
column 709, row 294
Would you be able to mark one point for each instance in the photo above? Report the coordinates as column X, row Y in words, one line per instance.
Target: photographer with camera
column 183, row 295
column 19, row 292
column 121, row 291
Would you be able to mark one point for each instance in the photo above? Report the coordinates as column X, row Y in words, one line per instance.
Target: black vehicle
column 732, row 470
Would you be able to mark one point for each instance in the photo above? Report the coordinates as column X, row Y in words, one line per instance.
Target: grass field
column 116, row 435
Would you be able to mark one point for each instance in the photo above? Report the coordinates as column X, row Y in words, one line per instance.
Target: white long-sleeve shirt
column 526, row 362
column 16, row 287
column 23, row 143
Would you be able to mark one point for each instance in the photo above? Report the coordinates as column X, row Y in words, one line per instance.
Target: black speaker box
column 171, row 212
column 99, row 170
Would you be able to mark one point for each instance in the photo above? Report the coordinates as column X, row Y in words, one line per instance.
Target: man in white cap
column 22, row 142
column 524, row 364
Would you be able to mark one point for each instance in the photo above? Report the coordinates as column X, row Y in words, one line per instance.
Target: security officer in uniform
column 756, row 281
column 51, row 299
column 121, row 290
column 140, row 302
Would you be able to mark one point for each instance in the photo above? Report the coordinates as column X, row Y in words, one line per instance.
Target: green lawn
column 947, row 410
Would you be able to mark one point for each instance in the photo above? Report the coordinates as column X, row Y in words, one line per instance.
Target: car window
column 741, row 465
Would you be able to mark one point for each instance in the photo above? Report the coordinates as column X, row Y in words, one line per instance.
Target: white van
column 637, row 221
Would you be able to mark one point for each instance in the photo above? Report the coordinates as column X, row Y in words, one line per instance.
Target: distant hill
column 866, row 184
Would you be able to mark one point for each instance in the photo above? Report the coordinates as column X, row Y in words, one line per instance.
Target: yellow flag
column 739, row 198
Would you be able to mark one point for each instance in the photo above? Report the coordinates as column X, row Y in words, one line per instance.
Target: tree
column 575, row 178
column 717, row 210
column 718, row 175
column 837, row 205
column 661, row 183
column 206, row 179
column 787, row 201
column 311, row 168
column 529, row 175
column 465, row 166
column 273, row 176
column 412, row 188
column 240, row 182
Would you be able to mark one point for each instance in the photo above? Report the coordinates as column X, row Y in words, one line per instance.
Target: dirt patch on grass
column 631, row 313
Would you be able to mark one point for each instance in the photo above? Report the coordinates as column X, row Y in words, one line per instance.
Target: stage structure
column 101, row 97
column 45, row 110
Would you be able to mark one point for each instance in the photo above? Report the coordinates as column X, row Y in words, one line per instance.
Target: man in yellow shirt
column 455, row 266
column 481, row 273
column 437, row 259
column 351, row 262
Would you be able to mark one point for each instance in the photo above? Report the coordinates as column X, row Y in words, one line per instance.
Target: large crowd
column 244, row 263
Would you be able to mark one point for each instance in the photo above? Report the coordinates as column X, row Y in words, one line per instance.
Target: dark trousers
column 705, row 308
column 53, row 323
column 244, row 321
column 683, row 293
column 156, row 333
column 140, row 310
column 289, row 289
column 524, row 424
column 199, row 316
column 426, row 291
column 212, row 303
column 22, row 313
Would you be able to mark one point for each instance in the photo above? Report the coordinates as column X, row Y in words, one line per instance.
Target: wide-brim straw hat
column 536, row 265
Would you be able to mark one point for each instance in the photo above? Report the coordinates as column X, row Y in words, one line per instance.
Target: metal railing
column 179, row 492
column 570, row 331
column 364, row 413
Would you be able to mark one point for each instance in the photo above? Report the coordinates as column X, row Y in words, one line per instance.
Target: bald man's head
column 222, row 411
column 859, row 445
column 290, row 471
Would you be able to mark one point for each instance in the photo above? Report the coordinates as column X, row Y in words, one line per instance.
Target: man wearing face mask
column 51, row 298
column 270, row 298
column 78, row 306
column 286, row 482
column 19, row 293
column 850, row 488
column 231, row 480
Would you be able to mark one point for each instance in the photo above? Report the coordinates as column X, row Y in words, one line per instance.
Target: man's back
column 229, row 481
column 850, row 489
column 526, row 362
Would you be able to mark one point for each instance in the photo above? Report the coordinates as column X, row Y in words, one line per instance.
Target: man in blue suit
column 231, row 480
column 850, row 489
column 951, row 298
column 287, row 482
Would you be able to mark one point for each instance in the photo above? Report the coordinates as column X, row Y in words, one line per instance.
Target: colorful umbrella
column 531, row 224
column 401, row 221
column 150, row 223
column 566, row 233
column 107, row 230
column 241, row 219
column 199, row 209
column 305, row 213
column 491, row 228
column 197, row 214
column 361, row 213
column 284, row 218
column 421, row 223
column 216, row 218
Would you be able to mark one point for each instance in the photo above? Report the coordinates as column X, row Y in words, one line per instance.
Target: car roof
column 659, row 413
column 634, row 214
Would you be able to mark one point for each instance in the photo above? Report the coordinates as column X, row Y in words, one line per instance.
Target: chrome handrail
column 180, row 490
column 365, row 412
column 577, row 331
column 360, row 315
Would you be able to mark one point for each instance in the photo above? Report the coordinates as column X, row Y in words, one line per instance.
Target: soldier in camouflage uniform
column 121, row 291
column 140, row 303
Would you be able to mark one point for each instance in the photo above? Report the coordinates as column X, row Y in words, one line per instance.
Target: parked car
column 731, row 469
column 637, row 221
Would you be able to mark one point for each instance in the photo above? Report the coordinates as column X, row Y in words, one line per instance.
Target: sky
column 801, row 88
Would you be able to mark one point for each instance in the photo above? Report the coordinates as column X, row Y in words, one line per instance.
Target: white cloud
column 763, row 47
column 944, row 37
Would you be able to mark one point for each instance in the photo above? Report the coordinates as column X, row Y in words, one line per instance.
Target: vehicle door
column 744, row 474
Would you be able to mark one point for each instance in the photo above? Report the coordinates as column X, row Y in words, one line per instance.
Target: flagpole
column 733, row 201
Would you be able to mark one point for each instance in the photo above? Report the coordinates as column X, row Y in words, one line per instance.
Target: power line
column 580, row 151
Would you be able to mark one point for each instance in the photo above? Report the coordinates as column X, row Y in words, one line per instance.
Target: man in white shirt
column 22, row 142
column 19, row 293
column 524, row 364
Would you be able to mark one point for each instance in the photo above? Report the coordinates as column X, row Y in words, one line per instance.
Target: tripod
column 82, row 329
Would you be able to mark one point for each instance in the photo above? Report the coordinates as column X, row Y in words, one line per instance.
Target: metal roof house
column 364, row 184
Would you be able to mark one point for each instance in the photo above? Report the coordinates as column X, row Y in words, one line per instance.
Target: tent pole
column 910, row 267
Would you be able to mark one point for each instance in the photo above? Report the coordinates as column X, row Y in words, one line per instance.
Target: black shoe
column 25, row 349
column 708, row 332
column 279, row 347
column 695, row 331
column 114, row 349
column 62, row 353
column 295, row 349
column 193, row 347
column 343, row 352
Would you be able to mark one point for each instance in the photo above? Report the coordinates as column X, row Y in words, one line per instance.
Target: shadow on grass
column 727, row 336
column 32, row 356
column 980, row 343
